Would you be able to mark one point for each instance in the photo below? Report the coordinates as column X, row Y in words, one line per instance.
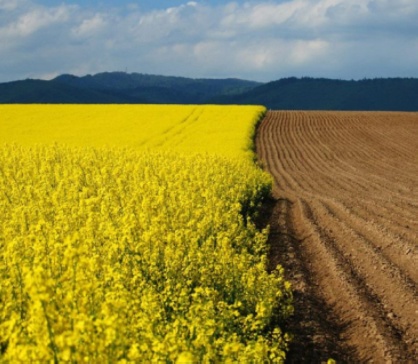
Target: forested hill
column 120, row 87
column 385, row 94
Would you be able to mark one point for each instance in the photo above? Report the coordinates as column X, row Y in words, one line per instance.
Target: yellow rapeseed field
column 127, row 236
column 225, row 130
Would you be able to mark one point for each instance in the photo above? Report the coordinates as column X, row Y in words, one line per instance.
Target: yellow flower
column 134, row 241
column 186, row 357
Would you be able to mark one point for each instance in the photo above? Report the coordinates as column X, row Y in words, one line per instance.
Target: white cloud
column 29, row 22
column 262, row 15
column 90, row 26
column 259, row 40
column 8, row 5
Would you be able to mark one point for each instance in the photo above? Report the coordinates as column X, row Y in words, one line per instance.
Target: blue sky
column 257, row 40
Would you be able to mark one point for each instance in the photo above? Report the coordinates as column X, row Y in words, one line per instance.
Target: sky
column 254, row 40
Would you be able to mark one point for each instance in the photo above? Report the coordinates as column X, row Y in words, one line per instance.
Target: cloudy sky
column 256, row 40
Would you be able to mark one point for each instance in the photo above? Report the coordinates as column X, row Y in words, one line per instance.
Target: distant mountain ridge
column 385, row 94
column 380, row 94
column 121, row 87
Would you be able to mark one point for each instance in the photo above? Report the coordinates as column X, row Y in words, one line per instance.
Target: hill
column 38, row 91
column 120, row 87
column 384, row 94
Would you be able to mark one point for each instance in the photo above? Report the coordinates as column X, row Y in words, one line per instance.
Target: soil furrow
column 315, row 331
column 384, row 281
column 376, row 301
column 356, row 308
column 344, row 225
column 395, row 225
column 401, row 254
column 277, row 158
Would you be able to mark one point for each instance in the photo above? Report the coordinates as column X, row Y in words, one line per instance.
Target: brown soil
column 344, row 224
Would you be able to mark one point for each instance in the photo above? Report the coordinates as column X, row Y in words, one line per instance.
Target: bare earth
column 344, row 224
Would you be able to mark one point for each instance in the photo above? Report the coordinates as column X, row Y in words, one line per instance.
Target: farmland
column 128, row 235
column 225, row 131
column 344, row 224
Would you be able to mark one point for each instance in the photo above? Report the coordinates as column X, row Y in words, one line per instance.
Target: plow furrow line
column 354, row 304
column 345, row 226
column 369, row 258
column 393, row 224
column 376, row 316
column 275, row 162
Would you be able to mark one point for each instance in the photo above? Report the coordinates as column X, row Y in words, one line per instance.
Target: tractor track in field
column 344, row 225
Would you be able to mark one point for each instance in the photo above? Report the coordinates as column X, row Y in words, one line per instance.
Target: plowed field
column 344, row 224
